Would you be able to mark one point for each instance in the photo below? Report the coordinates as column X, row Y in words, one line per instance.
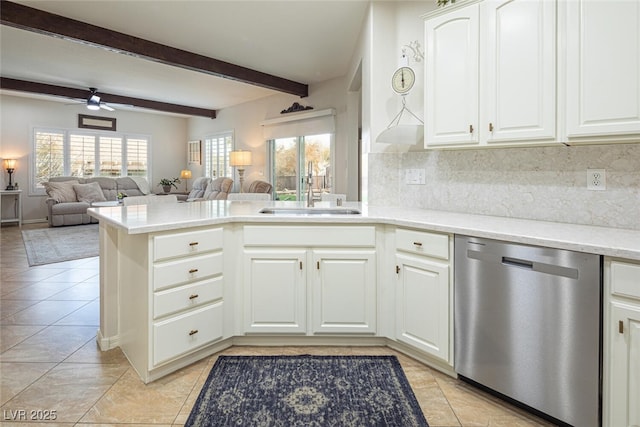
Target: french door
column 290, row 159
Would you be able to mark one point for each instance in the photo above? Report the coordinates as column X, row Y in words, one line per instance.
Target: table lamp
column 240, row 159
column 10, row 166
column 186, row 175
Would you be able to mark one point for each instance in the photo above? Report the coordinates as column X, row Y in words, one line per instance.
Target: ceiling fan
column 93, row 101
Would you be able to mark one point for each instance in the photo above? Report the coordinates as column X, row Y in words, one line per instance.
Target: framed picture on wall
column 193, row 152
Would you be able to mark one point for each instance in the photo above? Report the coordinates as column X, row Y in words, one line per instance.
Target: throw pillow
column 61, row 191
column 89, row 192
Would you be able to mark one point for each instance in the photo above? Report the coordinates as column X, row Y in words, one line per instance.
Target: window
column 290, row 158
column 293, row 142
column 216, row 155
column 85, row 154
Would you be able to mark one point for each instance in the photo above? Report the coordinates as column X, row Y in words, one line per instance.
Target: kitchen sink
column 310, row 211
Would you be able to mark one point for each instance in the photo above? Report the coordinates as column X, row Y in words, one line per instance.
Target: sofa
column 258, row 186
column 70, row 197
column 205, row 188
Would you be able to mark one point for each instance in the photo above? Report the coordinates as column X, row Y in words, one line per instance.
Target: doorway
column 290, row 165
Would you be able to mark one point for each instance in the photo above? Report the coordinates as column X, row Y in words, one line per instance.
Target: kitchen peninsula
column 180, row 282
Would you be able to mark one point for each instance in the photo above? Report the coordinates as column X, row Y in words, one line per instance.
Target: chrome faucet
column 310, row 202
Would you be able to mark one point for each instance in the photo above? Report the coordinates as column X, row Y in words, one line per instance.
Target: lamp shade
column 240, row 158
column 185, row 174
column 9, row 164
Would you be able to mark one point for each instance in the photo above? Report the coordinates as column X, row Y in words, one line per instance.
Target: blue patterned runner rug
column 306, row 391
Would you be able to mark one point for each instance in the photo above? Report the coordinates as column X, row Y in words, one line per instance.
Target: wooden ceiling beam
column 41, row 22
column 108, row 98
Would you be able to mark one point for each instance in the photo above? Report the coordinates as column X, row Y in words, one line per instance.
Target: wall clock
column 403, row 79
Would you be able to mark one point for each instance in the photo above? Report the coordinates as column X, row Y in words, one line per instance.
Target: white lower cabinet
column 622, row 335
column 171, row 298
column 344, row 291
column 275, row 291
column 309, row 280
column 423, row 308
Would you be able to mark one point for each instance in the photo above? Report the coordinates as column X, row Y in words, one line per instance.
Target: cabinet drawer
column 625, row 279
column 189, row 296
column 330, row 235
column 188, row 243
column 423, row 243
column 185, row 270
column 186, row 332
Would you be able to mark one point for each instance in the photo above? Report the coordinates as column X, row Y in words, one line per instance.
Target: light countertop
column 613, row 242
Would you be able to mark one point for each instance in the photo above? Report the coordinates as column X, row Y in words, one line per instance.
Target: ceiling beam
column 41, row 22
column 83, row 94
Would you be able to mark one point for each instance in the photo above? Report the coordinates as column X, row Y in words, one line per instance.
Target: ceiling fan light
column 93, row 102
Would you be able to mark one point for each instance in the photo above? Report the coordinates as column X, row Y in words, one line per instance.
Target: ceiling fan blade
column 106, row 107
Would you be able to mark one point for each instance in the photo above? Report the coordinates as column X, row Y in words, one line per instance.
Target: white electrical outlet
column 414, row 177
column 596, row 179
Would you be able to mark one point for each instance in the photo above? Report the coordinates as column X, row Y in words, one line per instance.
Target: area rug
column 49, row 245
column 306, row 391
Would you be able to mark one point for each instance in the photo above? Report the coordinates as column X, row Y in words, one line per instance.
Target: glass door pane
column 317, row 149
column 285, row 168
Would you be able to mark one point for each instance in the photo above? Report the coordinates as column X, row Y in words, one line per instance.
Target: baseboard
column 107, row 343
column 34, row 221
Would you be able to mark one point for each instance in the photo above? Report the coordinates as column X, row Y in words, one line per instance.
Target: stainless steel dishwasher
column 528, row 326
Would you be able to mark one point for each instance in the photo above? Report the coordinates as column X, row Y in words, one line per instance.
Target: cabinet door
column 603, row 67
column 451, row 103
column 518, row 69
column 624, row 378
column 422, row 305
column 344, row 291
column 274, row 291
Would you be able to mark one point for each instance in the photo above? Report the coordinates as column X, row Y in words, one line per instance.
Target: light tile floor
column 50, row 363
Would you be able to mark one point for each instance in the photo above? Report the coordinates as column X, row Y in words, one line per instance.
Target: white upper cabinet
column 451, row 116
column 491, row 74
column 517, row 70
column 602, row 68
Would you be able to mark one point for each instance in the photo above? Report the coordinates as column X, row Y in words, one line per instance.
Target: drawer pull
column 490, row 127
column 397, row 269
column 193, row 244
column 193, row 332
column 418, row 244
column 621, row 326
column 193, row 270
column 194, row 296
column 470, row 128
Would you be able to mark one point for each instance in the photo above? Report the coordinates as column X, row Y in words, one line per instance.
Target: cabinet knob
column 193, row 244
column 193, row 332
column 194, row 296
column 193, row 270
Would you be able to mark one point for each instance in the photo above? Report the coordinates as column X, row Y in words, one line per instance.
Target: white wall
column 244, row 120
column 19, row 115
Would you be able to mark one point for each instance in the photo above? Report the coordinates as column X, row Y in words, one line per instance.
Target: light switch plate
column 414, row 177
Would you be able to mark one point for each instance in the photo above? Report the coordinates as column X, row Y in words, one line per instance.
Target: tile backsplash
column 542, row 183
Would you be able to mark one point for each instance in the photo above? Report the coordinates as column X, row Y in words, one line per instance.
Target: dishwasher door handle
column 515, row 262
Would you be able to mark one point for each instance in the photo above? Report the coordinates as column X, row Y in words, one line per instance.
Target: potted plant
column 167, row 183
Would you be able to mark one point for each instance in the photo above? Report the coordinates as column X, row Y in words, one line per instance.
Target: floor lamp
column 186, row 175
column 239, row 159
